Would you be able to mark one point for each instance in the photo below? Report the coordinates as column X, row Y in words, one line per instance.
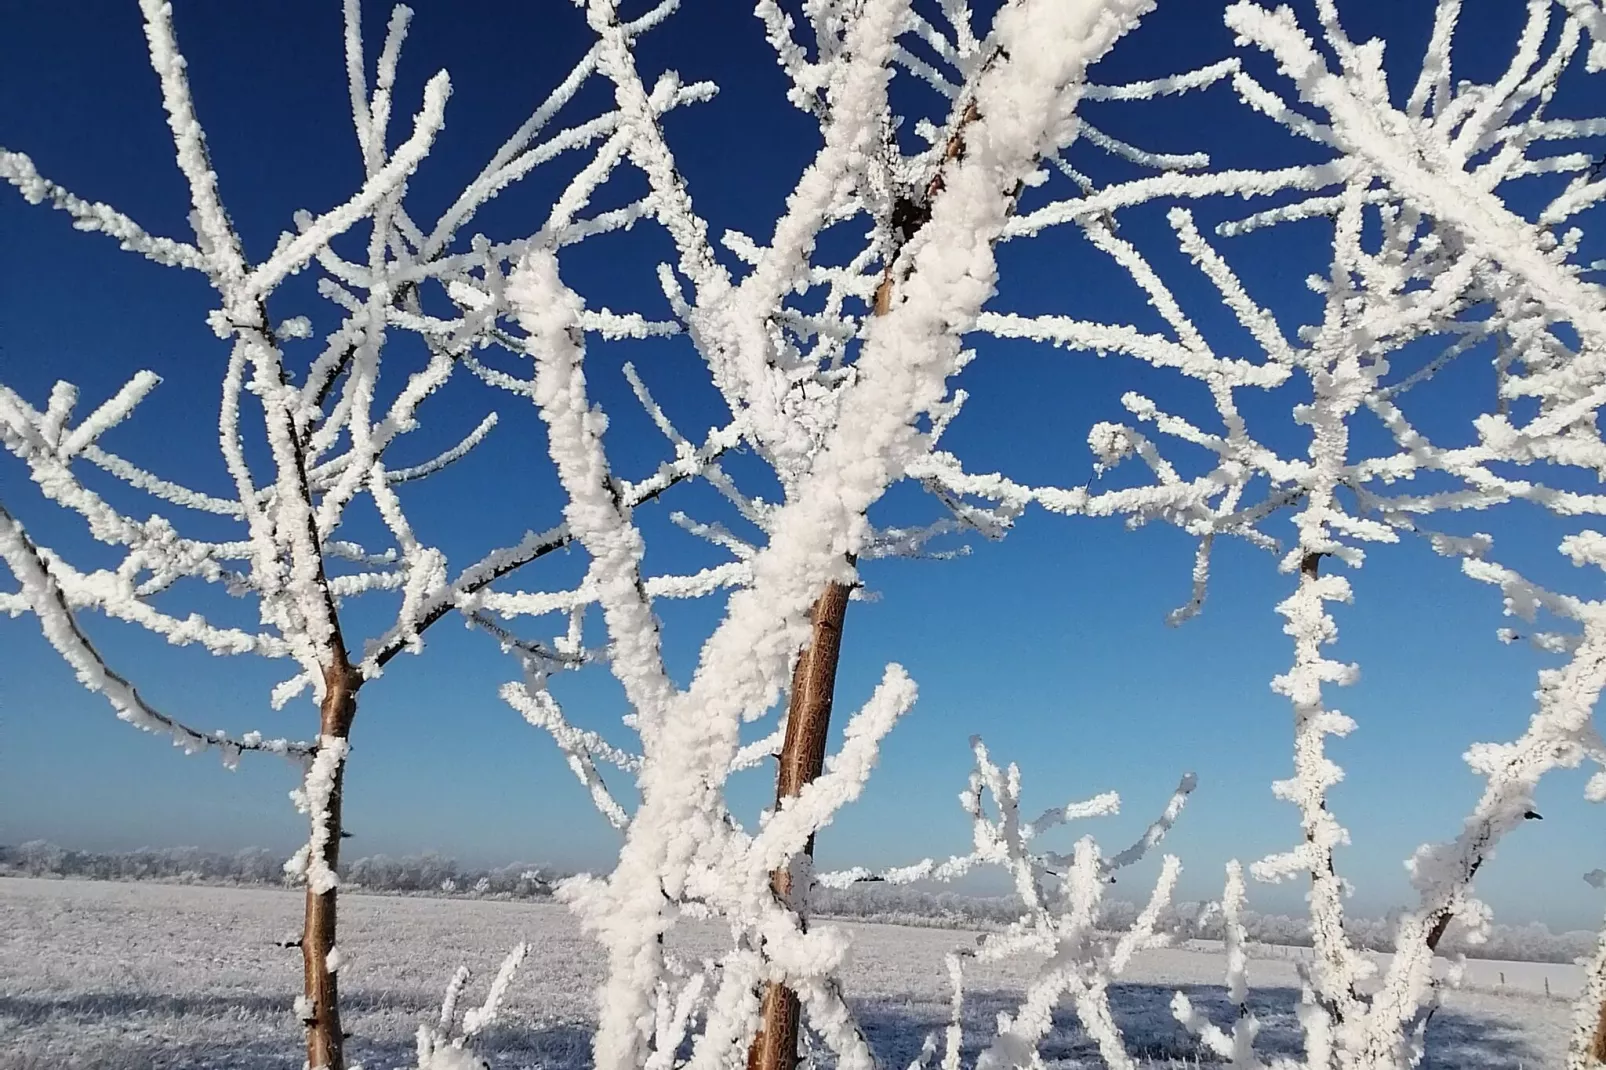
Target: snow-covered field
column 126, row 976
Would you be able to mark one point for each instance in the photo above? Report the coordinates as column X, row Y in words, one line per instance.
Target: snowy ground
column 126, row 976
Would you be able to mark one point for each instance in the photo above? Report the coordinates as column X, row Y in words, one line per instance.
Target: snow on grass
column 104, row 976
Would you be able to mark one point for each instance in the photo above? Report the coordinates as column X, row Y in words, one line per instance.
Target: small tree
column 840, row 404
column 326, row 431
column 1437, row 259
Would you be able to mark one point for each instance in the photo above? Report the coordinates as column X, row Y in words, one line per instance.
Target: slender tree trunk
column 325, row 1039
column 808, row 723
column 808, row 718
column 802, row 757
column 1597, row 1047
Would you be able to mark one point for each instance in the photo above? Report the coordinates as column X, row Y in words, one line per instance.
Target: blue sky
column 1051, row 644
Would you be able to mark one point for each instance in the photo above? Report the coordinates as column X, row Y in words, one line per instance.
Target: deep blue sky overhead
column 1052, row 644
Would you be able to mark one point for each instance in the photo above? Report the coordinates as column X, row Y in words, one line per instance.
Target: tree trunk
column 808, row 719
column 1597, row 1047
column 808, row 723
column 325, row 1040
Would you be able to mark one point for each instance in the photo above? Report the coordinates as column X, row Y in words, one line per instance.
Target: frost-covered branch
column 1061, row 896
column 449, row 1044
column 42, row 596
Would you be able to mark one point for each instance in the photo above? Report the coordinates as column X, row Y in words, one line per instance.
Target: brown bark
column 808, row 724
column 325, row 1040
column 1597, row 1047
column 775, row 1045
column 808, row 719
column 1442, row 924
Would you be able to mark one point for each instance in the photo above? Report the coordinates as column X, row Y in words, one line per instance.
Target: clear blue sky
column 1051, row 644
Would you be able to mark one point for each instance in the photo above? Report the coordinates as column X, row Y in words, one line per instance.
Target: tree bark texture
column 808, row 724
column 808, row 719
column 325, row 1039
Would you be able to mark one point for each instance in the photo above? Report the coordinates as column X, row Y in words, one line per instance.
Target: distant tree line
column 904, row 905
column 426, row 873
column 433, row 874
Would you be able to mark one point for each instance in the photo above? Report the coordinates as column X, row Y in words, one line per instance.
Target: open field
column 125, row 976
